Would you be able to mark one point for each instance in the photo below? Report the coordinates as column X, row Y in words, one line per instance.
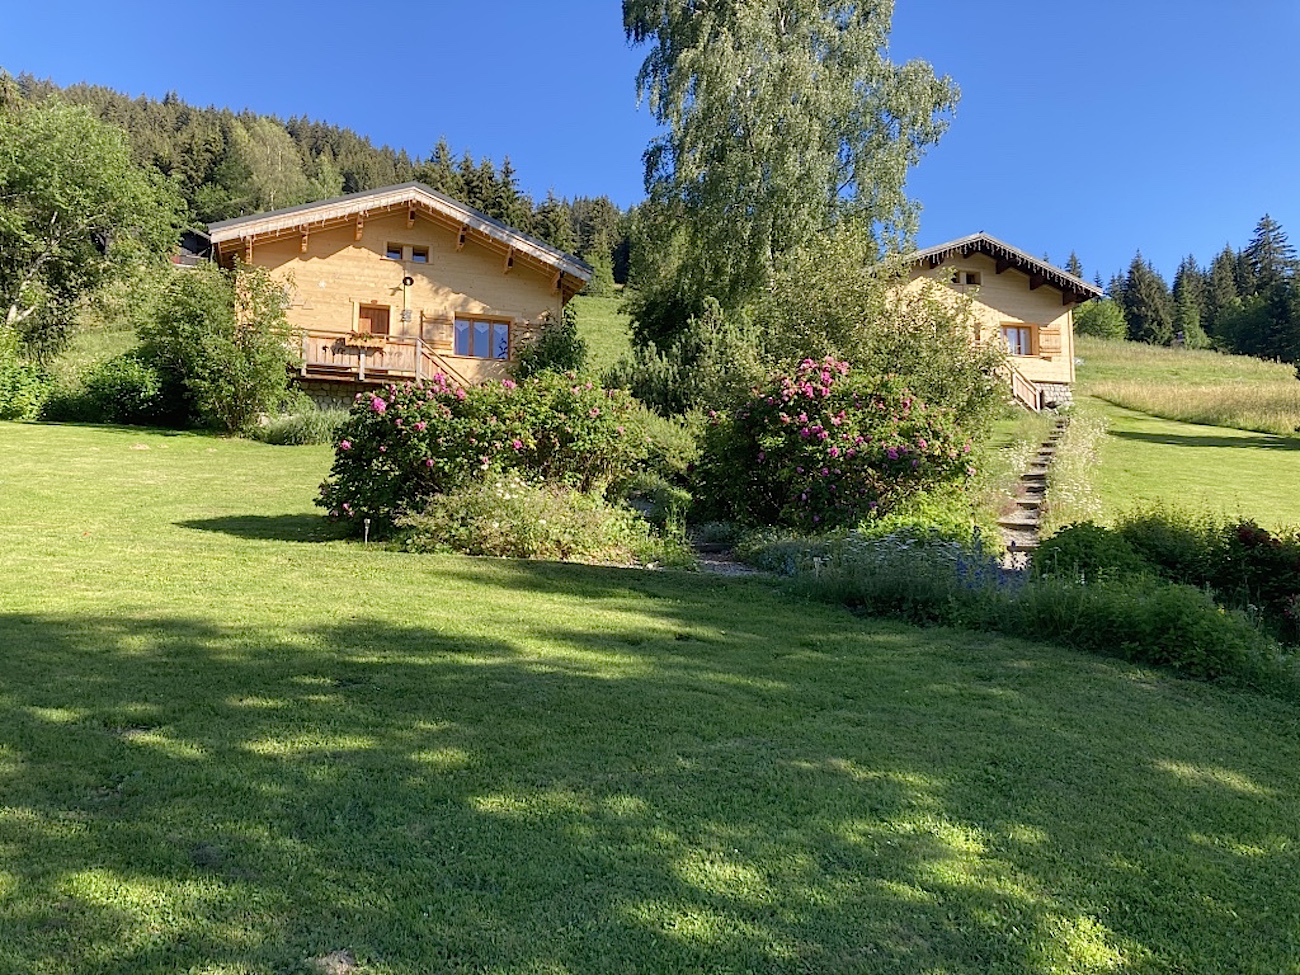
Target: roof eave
column 337, row 208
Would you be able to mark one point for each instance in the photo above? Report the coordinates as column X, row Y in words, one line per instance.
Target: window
column 481, row 339
column 372, row 319
column 416, row 254
column 966, row 277
column 1019, row 339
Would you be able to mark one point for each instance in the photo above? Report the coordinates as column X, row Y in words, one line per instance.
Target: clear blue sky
column 1095, row 125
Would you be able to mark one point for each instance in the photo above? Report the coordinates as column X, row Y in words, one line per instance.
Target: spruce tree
column 1148, row 305
column 1074, row 265
column 1221, row 294
column 1189, row 304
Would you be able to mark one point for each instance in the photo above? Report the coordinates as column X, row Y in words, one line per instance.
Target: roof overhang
column 229, row 236
column 1073, row 290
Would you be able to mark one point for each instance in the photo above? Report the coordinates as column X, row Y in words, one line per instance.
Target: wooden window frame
column 358, row 307
column 1031, row 336
column 492, row 321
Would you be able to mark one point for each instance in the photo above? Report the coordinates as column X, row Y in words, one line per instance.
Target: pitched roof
column 342, row 208
column 1011, row 257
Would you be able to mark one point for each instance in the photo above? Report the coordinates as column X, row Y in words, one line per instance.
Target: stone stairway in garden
column 1019, row 526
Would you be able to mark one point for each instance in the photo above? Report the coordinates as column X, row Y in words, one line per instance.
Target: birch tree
column 783, row 120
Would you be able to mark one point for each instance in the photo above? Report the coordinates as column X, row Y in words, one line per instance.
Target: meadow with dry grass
column 1193, row 386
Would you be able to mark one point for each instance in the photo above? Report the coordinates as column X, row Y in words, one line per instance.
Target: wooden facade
column 1020, row 301
column 402, row 283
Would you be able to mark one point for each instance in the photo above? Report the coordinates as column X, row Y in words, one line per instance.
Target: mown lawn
column 1145, row 459
column 230, row 743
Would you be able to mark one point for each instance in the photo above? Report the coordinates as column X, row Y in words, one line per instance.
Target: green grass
column 605, row 329
column 1197, row 429
column 1192, row 386
column 231, row 743
column 1144, row 459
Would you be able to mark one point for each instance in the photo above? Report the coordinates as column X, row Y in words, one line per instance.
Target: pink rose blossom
column 345, row 445
column 428, row 462
column 517, row 444
column 378, row 405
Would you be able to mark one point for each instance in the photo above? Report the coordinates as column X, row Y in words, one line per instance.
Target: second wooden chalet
column 1019, row 300
column 401, row 283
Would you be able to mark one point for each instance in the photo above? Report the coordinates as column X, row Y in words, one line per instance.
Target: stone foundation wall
column 1056, row 395
column 330, row 394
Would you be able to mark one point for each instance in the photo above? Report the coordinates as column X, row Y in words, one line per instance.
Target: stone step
column 1026, row 519
column 1028, row 501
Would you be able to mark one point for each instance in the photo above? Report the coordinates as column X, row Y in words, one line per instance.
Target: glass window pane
column 394, row 252
column 461, row 344
column 481, row 347
column 500, row 340
column 419, row 255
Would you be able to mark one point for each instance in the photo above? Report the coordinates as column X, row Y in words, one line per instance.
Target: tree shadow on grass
column 1258, row 441
column 183, row 794
column 276, row 528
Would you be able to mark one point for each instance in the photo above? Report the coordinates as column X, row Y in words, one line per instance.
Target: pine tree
column 1189, row 304
column 1221, row 294
column 552, row 223
column 1270, row 256
column 1074, row 265
column 1148, row 305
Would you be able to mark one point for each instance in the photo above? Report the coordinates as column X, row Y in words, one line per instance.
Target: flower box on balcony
column 365, row 340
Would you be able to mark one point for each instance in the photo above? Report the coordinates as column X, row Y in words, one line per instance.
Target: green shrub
column 663, row 503
column 931, row 580
column 1088, row 552
column 826, row 447
column 834, row 297
column 502, row 514
column 1104, row 319
column 403, row 445
column 223, row 336
column 712, row 363
column 1146, row 620
column 1247, row 567
column 311, row 425
column 559, row 348
column 23, row 384
column 671, row 444
column 129, row 389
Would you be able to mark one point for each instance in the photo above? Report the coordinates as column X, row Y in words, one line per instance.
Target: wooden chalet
column 1026, row 303
column 402, row 283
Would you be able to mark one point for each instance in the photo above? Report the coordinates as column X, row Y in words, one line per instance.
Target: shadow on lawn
column 181, row 794
column 1257, row 441
column 276, row 528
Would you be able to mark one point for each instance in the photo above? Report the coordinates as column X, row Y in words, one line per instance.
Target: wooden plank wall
column 332, row 272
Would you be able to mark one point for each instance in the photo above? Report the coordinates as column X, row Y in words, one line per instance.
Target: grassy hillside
column 230, row 743
column 605, row 329
column 1193, row 386
column 1193, row 428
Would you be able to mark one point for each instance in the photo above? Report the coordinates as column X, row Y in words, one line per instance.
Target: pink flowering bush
column 826, row 447
column 403, row 445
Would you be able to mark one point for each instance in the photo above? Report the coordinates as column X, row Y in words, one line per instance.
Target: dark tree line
column 1245, row 301
column 225, row 164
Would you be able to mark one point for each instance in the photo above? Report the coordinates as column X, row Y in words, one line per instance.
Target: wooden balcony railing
column 329, row 355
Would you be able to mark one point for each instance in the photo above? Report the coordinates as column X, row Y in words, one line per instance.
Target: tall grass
column 1071, row 487
column 1192, row 386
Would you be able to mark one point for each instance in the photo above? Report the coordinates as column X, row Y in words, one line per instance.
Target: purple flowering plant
column 826, row 447
column 402, row 445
